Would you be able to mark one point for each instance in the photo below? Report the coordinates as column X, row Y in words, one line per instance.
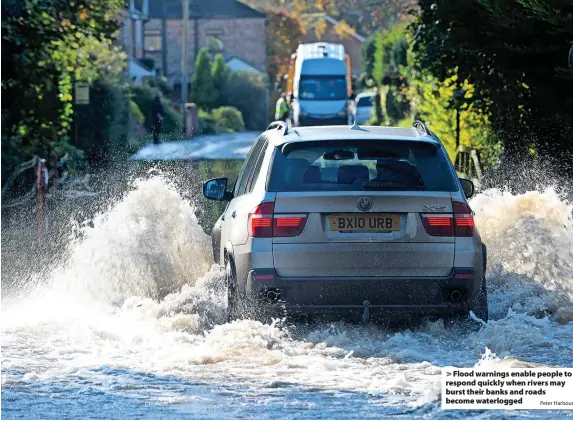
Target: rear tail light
column 261, row 220
column 264, row 223
column 439, row 226
column 288, row 226
column 464, row 218
column 460, row 224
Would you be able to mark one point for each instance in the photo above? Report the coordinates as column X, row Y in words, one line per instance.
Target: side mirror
column 216, row 189
column 468, row 187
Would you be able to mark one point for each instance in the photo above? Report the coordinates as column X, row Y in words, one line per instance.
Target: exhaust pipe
column 455, row 295
column 272, row 296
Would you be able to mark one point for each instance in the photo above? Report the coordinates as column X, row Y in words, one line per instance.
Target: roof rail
column 279, row 125
column 421, row 126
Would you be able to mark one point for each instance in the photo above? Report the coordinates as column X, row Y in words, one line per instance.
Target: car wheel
column 232, row 293
column 480, row 308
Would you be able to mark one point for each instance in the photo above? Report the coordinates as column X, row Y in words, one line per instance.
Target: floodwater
column 131, row 325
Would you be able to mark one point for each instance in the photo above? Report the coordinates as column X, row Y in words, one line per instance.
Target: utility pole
column 184, row 65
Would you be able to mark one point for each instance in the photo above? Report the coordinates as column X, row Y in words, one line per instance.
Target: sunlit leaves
column 344, row 30
column 47, row 44
column 515, row 54
column 283, row 32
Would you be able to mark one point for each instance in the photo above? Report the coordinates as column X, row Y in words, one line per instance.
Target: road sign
column 82, row 93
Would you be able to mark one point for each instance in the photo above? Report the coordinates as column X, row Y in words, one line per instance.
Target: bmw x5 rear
column 341, row 224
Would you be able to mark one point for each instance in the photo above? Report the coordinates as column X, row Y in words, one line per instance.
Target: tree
column 220, row 74
column 430, row 99
column 47, row 45
column 515, row 55
column 368, row 59
column 202, row 84
column 283, row 34
column 388, row 65
column 366, row 15
column 390, row 54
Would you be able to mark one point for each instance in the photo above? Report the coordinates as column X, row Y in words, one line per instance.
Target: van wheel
column 232, row 293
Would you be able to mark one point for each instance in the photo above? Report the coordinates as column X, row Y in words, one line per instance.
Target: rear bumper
column 349, row 296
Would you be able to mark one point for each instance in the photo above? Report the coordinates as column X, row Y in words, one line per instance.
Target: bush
column 206, row 122
column 229, row 118
column 247, row 93
column 136, row 114
column 160, row 83
column 221, row 120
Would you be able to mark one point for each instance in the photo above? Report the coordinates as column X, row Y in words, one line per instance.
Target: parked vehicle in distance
column 349, row 222
column 363, row 109
column 320, row 85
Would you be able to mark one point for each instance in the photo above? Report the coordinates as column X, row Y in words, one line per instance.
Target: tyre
column 233, row 302
column 480, row 306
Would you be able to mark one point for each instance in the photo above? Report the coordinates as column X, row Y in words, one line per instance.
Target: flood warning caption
column 515, row 388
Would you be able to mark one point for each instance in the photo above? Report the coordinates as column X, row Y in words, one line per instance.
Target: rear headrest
column 348, row 174
column 312, row 175
column 296, row 170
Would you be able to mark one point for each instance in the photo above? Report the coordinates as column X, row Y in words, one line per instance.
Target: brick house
column 352, row 42
column 223, row 26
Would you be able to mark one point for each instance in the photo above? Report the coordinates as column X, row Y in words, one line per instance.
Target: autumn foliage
column 283, row 34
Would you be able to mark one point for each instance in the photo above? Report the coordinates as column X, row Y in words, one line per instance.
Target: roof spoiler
column 278, row 125
column 421, row 127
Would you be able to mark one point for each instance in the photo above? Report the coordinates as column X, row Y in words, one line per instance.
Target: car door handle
column 234, row 214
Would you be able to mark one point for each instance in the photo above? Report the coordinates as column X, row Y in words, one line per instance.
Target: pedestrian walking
column 282, row 108
column 157, row 111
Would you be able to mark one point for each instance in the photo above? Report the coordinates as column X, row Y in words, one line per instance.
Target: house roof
column 312, row 20
column 171, row 9
column 238, row 65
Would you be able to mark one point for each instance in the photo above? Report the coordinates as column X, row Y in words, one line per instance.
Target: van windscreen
column 361, row 166
column 322, row 88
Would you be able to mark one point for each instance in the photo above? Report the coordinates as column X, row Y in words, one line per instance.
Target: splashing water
column 135, row 319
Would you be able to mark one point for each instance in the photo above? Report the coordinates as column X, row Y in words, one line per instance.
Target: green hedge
column 246, row 92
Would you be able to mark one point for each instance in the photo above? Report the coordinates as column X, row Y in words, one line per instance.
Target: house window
column 214, row 44
column 152, row 41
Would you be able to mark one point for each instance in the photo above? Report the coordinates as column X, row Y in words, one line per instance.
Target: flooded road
column 131, row 324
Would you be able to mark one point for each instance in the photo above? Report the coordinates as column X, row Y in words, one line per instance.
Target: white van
column 320, row 85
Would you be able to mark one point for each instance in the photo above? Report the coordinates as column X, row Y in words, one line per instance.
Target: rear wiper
column 387, row 186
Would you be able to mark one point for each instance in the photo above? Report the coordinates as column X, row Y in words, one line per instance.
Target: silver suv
column 349, row 222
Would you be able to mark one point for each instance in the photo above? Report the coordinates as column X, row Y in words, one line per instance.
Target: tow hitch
column 366, row 313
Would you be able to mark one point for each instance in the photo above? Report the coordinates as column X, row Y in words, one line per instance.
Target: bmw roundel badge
column 364, row 204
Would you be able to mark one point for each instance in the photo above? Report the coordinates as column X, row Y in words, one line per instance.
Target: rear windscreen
column 361, row 166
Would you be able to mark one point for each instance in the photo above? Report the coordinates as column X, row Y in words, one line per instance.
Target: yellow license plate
column 374, row 222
